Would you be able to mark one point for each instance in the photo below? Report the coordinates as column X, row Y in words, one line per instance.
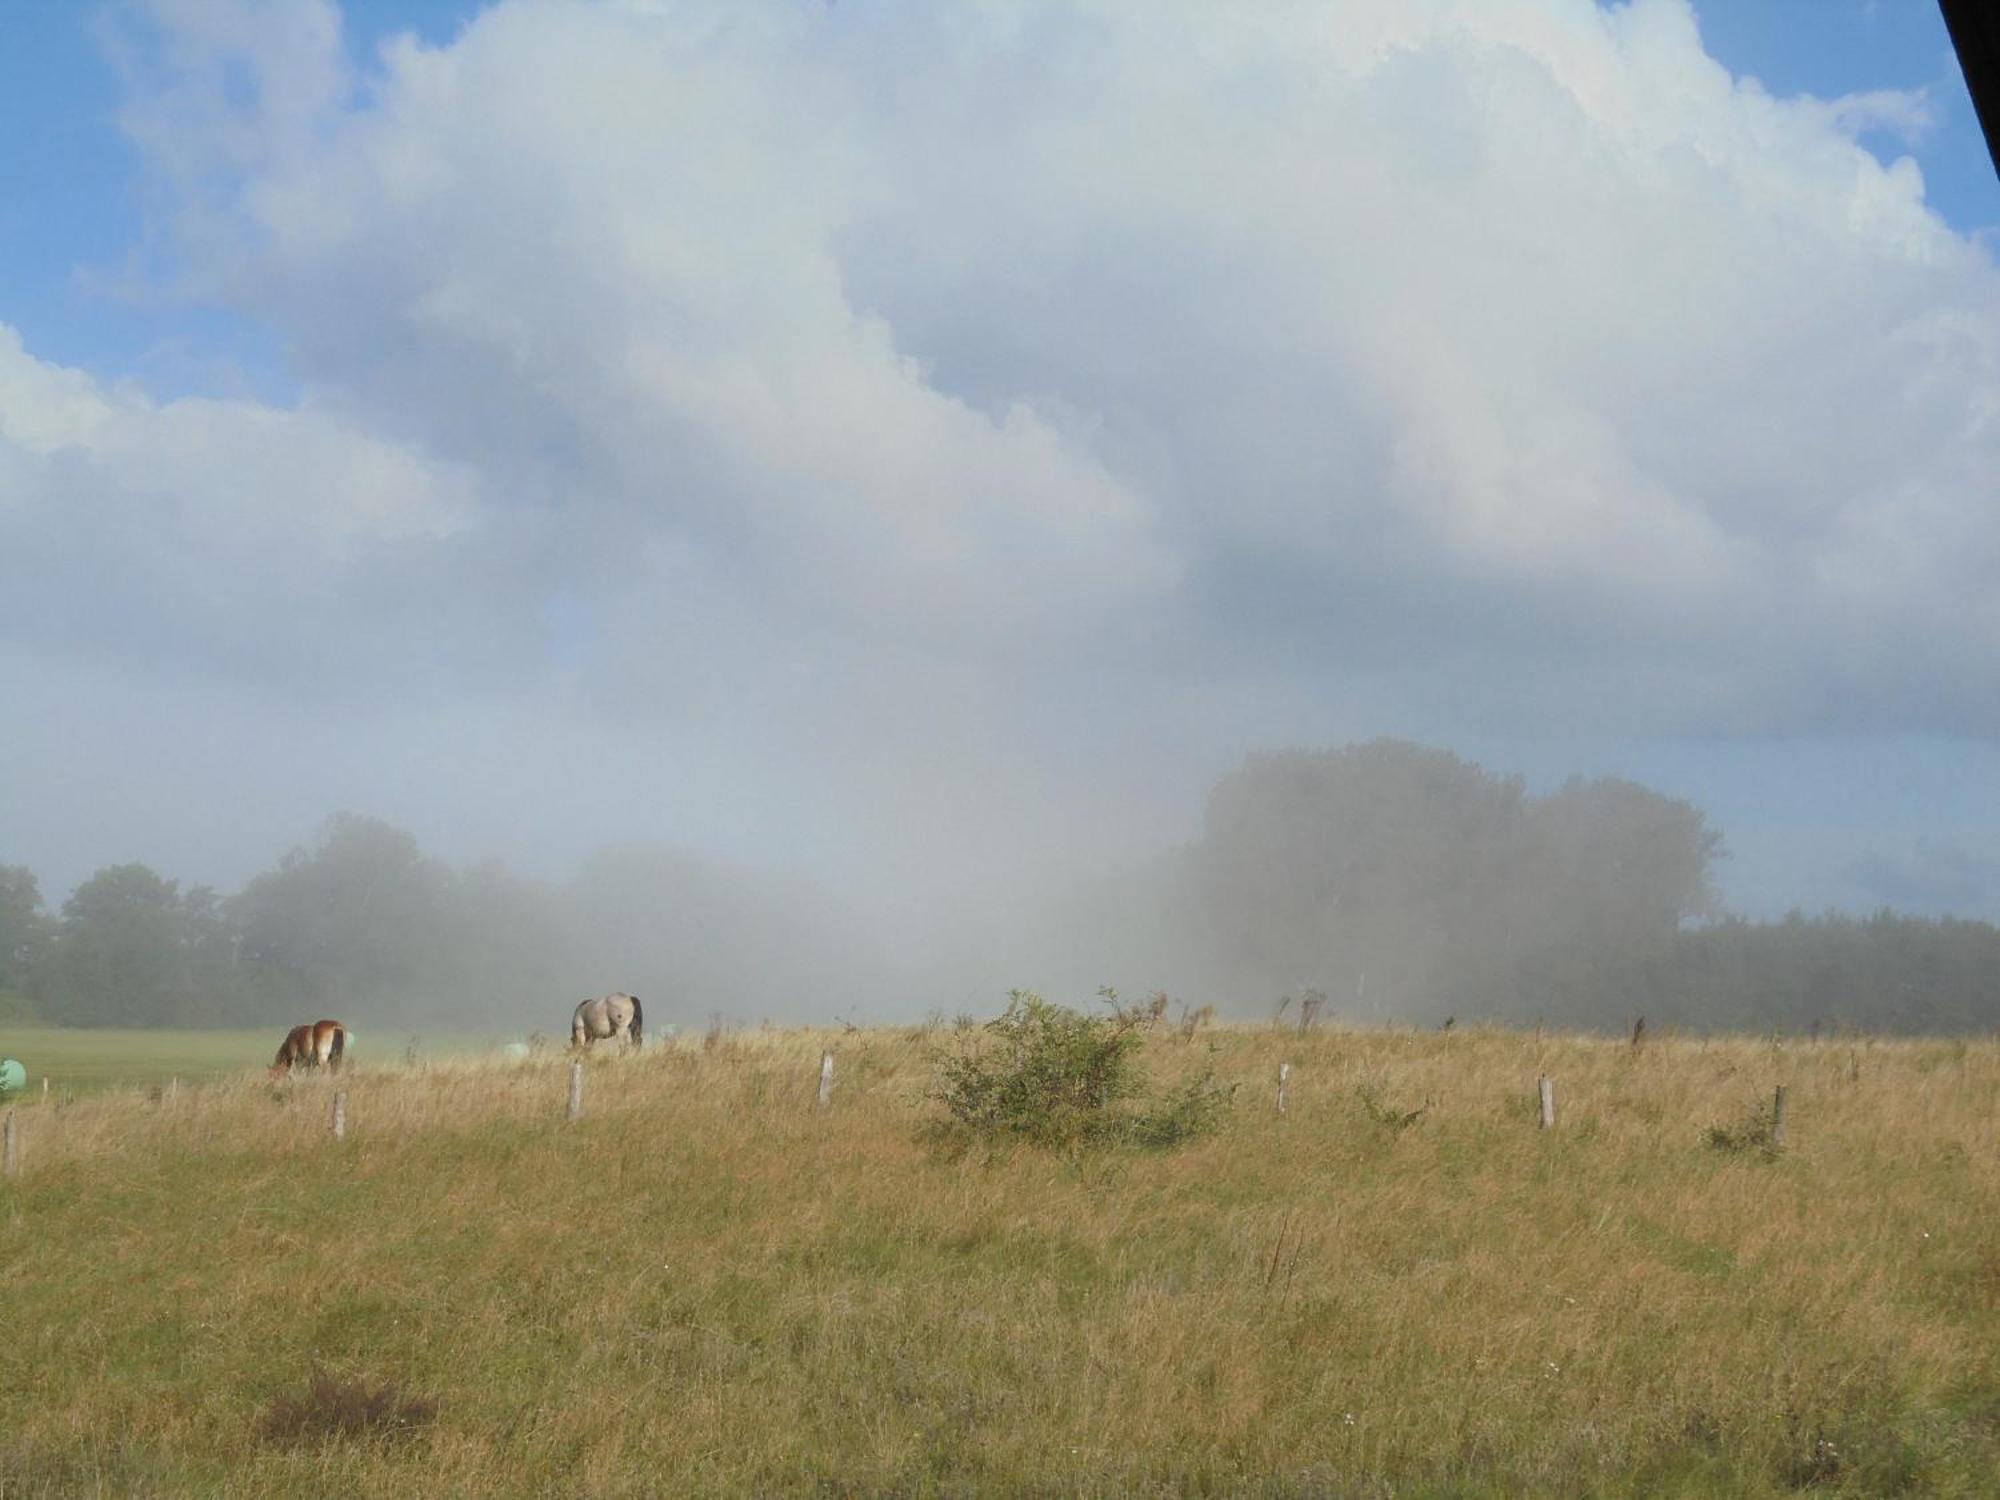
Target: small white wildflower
column 1348, row 1419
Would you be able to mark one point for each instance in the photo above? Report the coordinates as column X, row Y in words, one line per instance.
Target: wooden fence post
column 339, row 1123
column 825, row 1079
column 1284, row 1084
column 12, row 1150
column 1778, row 1119
column 576, row 1090
column 1548, row 1092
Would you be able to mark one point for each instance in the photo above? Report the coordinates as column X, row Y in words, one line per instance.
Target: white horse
column 614, row 1017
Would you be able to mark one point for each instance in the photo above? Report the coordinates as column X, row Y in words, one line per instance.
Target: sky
column 923, row 448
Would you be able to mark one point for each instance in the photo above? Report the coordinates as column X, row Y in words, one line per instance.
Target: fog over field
column 880, row 468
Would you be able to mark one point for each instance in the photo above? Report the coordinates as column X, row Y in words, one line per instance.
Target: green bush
column 1052, row 1076
column 1757, row 1134
column 1193, row 1110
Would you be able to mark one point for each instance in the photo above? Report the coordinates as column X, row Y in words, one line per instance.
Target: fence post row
column 10, row 1153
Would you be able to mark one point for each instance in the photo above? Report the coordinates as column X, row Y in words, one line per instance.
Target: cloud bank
column 941, row 414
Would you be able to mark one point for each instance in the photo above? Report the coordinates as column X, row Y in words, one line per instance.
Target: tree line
column 1389, row 881
column 365, row 926
column 1380, row 882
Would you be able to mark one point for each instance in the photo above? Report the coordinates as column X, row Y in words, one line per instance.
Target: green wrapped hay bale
column 13, row 1077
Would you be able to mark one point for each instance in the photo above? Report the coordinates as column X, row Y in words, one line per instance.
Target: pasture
column 83, row 1061
column 707, row 1285
column 80, row 1060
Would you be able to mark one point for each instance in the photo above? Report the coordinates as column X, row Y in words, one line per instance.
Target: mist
column 1382, row 883
column 806, row 511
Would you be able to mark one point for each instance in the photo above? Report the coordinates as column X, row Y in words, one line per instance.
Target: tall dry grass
column 708, row 1286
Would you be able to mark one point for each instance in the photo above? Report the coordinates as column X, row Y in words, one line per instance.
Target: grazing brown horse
column 309, row 1046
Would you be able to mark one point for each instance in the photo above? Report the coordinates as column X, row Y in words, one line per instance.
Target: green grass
column 78, row 1061
column 706, row 1286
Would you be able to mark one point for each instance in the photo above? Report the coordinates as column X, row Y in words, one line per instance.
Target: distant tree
column 119, row 957
column 25, row 932
column 1404, row 880
column 1606, row 876
column 216, row 991
column 509, row 951
column 1886, row 972
column 24, row 925
column 359, row 920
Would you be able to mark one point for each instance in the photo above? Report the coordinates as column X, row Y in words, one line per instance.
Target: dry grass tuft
column 333, row 1407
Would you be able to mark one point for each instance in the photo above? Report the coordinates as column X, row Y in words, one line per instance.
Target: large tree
column 1403, row 880
column 25, row 931
column 127, row 954
column 360, row 920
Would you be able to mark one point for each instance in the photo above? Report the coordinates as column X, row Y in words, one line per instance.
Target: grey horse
column 613, row 1017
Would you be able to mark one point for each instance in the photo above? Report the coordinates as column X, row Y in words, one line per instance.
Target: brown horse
column 309, row 1046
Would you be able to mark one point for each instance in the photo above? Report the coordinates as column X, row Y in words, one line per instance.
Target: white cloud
column 222, row 531
column 1907, row 114
column 1064, row 363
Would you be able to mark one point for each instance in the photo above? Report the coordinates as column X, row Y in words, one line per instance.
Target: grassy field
column 77, row 1061
column 705, row 1286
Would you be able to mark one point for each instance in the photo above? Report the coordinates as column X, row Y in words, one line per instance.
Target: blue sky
column 972, row 451
column 73, row 220
column 73, row 237
column 1830, row 49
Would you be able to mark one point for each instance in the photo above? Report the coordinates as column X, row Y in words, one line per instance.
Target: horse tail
column 339, row 1047
column 638, row 1022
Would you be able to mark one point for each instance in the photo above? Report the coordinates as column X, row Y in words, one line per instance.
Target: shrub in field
column 1193, row 1110
column 1391, row 1117
column 1756, row 1134
column 1053, row 1076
